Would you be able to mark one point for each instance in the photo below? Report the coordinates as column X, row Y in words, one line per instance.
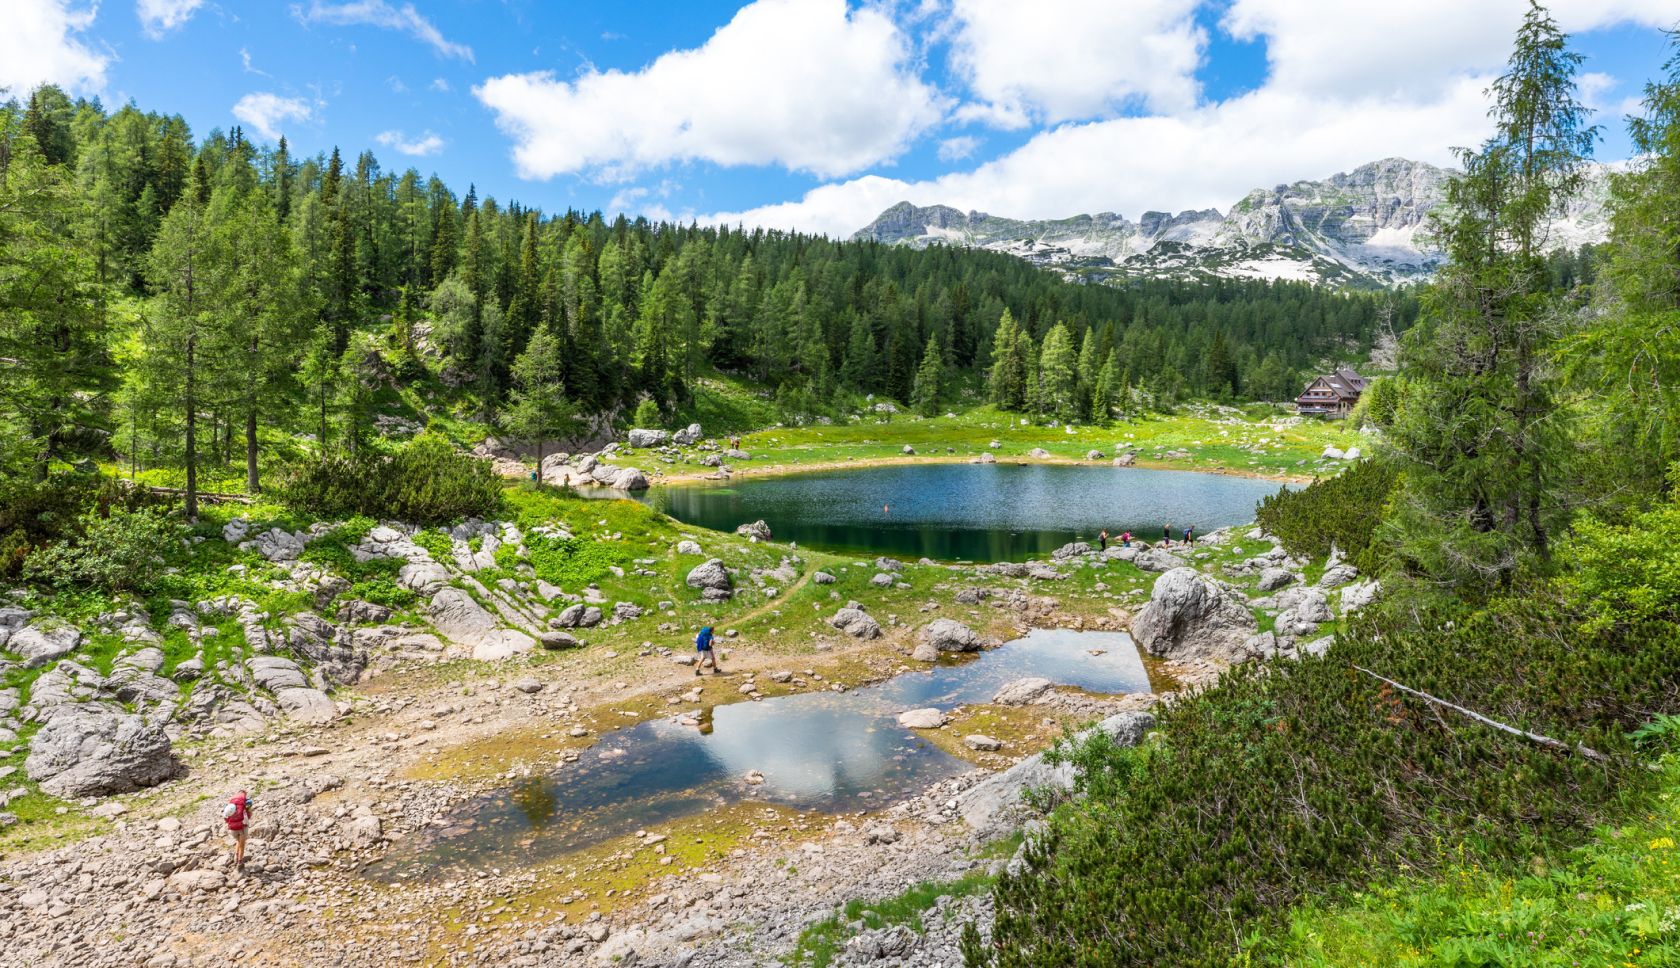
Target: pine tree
column 858, row 369
column 179, row 332
column 1058, row 369
column 1482, row 436
column 1221, row 373
column 930, row 378
column 1008, row 378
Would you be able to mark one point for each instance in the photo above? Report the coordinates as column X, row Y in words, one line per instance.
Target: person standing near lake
column 1102, row 540
column 1125, row 539
column 1166, row 536
column 703, row 645
column 1190, row 536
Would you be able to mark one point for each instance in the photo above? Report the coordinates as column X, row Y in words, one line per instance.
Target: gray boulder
column 688, row 436
column 1073, row 549
column 925, row 652
column 1125, row 460
column 423, row 577
column 275, row 673
column 1093, row 455
column 278, row 545
column 822, row 578
column 711, row 574
column 1272, row 579
column 358, row 612
column 1038, row 452
column 1157, row 560
column 686, row 547
column 1337, row 575
column 993, row 807
column 757, row 529
column 950, row 635
column 889, row 564
column 41, row 645
column 647, row 438
column 856, row 623
column 1024, row 692
column 737, row 455
column 882, row 580
column 1312, row 604
column 308, row 705
column 625, row 611
column 921, row 719
column 1193, row 617
column 558, row 640
column 1359, row 595
column 98, row 751
column 328, row 591
column 460, row 619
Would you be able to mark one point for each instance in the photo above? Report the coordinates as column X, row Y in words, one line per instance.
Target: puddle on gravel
column 829, row 751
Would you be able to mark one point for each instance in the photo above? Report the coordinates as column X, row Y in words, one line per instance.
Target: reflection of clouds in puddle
column 821, row 750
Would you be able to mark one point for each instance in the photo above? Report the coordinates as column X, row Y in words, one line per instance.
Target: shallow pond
column 820, row 750
column 967, row 512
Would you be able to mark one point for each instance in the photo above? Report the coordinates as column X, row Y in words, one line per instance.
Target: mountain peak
column 1363, row 228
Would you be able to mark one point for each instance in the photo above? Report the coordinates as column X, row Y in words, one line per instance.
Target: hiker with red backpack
column 236, row 813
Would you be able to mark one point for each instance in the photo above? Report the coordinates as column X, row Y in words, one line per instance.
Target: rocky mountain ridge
column 1360, row 229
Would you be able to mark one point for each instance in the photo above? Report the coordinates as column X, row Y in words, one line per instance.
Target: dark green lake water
column 967, row 512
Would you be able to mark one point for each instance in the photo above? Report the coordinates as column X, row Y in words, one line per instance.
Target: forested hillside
column 167, row 296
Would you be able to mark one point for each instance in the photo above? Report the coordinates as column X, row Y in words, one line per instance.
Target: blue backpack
column 703, row 641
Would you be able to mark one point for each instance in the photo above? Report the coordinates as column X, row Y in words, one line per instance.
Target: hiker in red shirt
column 237, row 811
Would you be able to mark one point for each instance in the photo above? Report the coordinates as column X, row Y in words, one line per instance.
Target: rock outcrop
column 950, row 635
column 993, row 807
column 856, row 623
column 99, row 751
column 1190, row 616
column 460, row 619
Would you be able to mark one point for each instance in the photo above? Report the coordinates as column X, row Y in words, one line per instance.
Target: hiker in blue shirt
column 703, row 645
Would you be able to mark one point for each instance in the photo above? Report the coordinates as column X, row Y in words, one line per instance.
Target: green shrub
column 1343, row 511
column 33, row 515
column 437, row 544
column 647, row 415
column 427, row 481
column 821, row 942
column 115, row 553
column 1312, row 777
column 574, row 562
column 1627, row 573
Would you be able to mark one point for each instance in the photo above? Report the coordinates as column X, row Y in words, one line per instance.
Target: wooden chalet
column 1332, row 394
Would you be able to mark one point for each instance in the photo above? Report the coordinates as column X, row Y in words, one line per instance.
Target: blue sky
column 817, row 114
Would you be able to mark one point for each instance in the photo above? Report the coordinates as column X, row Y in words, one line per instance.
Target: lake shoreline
column 744, row 469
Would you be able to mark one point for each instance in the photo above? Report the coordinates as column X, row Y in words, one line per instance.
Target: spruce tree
column 1221, row 372
column 539, row 409
column 1008, row 377
column 930, row 378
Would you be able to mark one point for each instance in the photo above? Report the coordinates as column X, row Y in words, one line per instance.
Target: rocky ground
column 358, row 725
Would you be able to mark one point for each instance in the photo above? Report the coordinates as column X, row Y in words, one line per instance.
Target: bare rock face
column 308, row 705
column 358, row 612
column 98, row 751
column 423, row 578
column 921, row 719
column 460, row 619
column 1024, row 692
column 950, row 635
column 1190, row 616
column 856, row 623
column 41, row 645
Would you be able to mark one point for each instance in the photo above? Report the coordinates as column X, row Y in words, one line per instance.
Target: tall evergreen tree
column 930, row 379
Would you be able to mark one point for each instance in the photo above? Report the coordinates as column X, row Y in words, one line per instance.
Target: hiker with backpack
column 236, row 813
column 703, row 645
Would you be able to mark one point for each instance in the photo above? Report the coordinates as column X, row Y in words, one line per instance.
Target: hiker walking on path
column 1166, row 536
column 1190, row 536
column 1102, row 540
column 237, row 811
column 703, row 645
column 1126, row 539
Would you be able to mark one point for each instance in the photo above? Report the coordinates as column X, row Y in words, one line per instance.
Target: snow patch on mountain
column 1365, row 228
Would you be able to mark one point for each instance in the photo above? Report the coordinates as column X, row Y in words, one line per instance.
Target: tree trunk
column 252, row 484
column 192, row 428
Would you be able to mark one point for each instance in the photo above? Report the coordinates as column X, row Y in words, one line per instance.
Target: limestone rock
column 558, row 640
column 1272, row 579
column 423, row 577
column 925, row 652
column 882, row 580
column 1024, row 692
column 1093, row 455
column 278, row 545
column 977, row 741
column 856, row 623
column 688, row 436
column 275, row 673
column 1192, row 617
column 460, row 619
column 1038, row 452
column 950, row 635
column 757, row 529
column 308, row 705
column 994, row 805
column 625, row 611
column 1337, row 576
column 921, row 719
column 1359, row 595
column 1073, row 549
column 686, row 547
column 983, row 458
column 1125, row 460
column 1157, row 560
column 822, row 578
column 98, row 751
column 712, row 574
column 41, row 645
column 647, row 438
column 358, row 612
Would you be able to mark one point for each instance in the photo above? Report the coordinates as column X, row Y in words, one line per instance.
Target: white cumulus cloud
column 37, row 46
column 427, row 144
column 806, row 84
column 378, row 13
column 1061, row 60
column 265, row 111
column 159, row 17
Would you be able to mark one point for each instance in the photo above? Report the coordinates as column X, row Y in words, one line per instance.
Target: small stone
column 976, row 741
column 921, row 719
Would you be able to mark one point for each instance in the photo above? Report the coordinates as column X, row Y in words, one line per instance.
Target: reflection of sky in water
column 976, row 512
column 822, row 751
